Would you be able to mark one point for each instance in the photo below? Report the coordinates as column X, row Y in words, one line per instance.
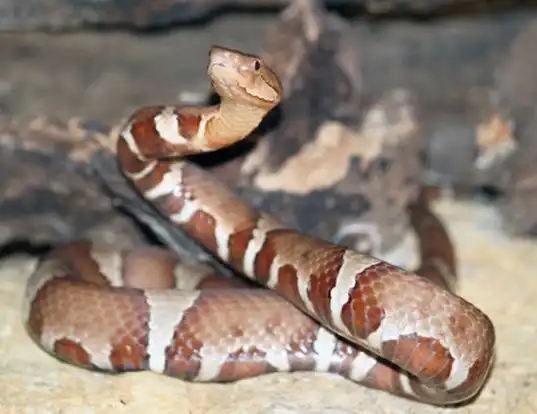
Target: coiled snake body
column 327, row 308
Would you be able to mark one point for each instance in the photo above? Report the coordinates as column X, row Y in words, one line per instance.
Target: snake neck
column 153, row 135
column 232, row 122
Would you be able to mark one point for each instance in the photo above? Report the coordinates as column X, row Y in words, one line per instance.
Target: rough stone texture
column 47, row 195
column 497, row 275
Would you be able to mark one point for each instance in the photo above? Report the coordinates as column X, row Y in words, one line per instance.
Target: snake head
column 244, row 78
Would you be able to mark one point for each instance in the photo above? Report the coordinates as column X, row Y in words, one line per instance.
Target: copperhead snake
column 327, row 308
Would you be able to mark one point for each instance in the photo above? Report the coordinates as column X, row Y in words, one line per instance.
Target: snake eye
column 257, row 65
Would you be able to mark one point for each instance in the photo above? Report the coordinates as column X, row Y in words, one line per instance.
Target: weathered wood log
column 515, row 151
column 329, row 163
column 457, row 78
column 143, row 14
column 46, row 192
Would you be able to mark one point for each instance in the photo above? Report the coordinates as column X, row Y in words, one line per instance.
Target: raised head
column 243, row 78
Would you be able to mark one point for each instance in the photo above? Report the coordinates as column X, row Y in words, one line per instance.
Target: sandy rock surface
column 497, row 274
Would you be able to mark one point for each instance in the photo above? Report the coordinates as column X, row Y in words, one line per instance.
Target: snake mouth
column 260, row 98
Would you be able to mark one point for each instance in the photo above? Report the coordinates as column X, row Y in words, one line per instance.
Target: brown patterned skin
column 221, row 333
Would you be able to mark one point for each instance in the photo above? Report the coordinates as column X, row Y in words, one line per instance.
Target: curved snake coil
column 328, row 308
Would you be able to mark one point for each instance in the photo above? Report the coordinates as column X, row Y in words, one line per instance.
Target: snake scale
column 327, row 308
